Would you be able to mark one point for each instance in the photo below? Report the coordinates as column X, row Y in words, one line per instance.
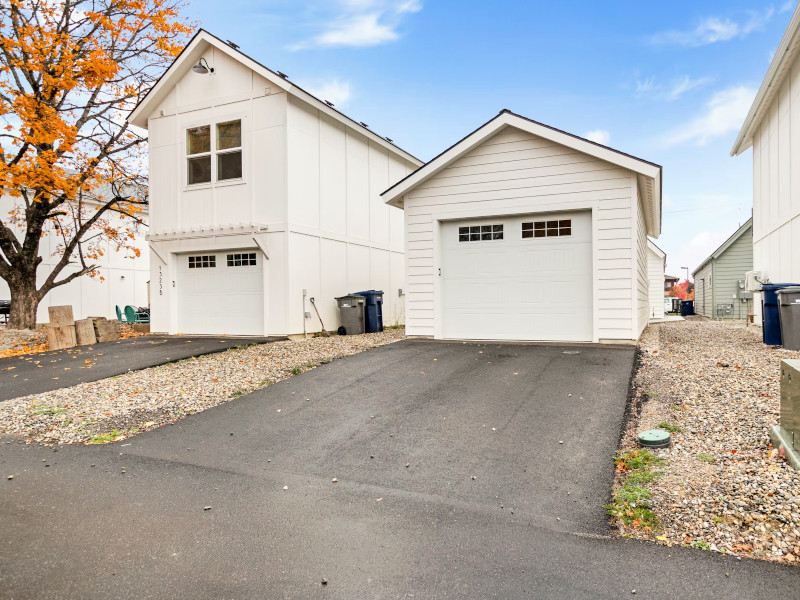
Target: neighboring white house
column 656, row 263
column 772, row 128
column 524, row 232
column 262, row 196
column 121, row 278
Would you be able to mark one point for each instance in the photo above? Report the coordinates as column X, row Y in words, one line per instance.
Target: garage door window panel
column 477, row 233
column 246, row 259
column 540, row 229
column 202, row 262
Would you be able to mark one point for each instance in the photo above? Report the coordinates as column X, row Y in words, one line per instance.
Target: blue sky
column 668, row 82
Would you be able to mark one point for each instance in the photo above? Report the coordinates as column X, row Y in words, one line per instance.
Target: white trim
column 781, row 63
column 480, row 212
column 198, row 45
column 395, row 195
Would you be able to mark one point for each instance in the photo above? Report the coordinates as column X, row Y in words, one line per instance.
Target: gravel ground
column 22, row 341
column 115, row 408
column 723, row 487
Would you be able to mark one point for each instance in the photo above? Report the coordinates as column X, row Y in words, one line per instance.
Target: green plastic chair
column 133, row 317
column 120, row 316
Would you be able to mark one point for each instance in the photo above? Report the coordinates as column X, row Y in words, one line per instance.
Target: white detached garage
column 524, row 232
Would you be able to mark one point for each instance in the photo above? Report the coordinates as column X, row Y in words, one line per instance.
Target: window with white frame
column 537, row 229
column 476, row 233
column 247, row 259
column 202, row 262
column 214, row 158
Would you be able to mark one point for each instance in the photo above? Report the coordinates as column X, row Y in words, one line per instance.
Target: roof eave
column 194, row 49
column 785, row 54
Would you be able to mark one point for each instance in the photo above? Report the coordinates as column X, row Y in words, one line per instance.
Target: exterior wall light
column 202, row 67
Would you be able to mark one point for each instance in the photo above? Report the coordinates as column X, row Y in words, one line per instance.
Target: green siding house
column 719, row 280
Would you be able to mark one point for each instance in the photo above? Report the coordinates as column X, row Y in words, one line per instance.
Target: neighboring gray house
column 719, row 280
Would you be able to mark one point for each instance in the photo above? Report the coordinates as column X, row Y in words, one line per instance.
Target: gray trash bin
column 789, row 309
column 351, row 311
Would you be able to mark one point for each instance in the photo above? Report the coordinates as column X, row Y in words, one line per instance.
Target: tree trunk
column 24, row 302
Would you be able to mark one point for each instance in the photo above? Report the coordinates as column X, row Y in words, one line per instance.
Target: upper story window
column 214, row 158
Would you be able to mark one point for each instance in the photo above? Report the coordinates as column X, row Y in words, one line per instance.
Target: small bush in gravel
column 669, row 427
column 706, row 457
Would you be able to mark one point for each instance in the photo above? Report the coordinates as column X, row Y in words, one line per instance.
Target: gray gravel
column 115, row 408
column 724, row 487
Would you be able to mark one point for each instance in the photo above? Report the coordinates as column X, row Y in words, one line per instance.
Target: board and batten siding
column 515, row 172
column 776, row 186
column 342, row 237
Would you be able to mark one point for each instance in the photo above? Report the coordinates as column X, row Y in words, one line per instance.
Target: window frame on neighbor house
column 546, row 228
column 209, row 146
column 481, row 233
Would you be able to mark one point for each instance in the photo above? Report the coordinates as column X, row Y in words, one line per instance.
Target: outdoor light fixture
column 202, row 67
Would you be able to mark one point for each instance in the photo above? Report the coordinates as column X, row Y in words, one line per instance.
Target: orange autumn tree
column 70, row 70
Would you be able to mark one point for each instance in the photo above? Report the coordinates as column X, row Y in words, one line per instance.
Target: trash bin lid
column 771, row 287
column 795, row 289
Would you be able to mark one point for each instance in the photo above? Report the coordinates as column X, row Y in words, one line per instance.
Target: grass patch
column 296, row 370
column 700, row 544
column 399, row 326
column 631, row 504
column 49, row 410
column 105, row 438
column 236, row 394
column 669, row 427
column 716, row 519
column 707, row 458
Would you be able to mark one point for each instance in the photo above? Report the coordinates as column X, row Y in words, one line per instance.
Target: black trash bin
column 789, row 312
column 687, row 308
column 770, row 314
column 373, row 310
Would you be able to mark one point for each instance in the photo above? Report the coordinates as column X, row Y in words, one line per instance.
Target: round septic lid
column 654, row 438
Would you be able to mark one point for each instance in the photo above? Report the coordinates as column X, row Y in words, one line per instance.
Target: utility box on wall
column 787, row 434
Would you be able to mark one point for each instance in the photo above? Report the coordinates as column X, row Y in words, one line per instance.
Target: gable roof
column 649, row 173
column 726, row 244
column 781, row 65
column 656, row 250
column 199, row 44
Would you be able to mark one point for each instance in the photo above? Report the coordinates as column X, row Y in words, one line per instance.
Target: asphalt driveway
column 45, row 371
column 452, row 481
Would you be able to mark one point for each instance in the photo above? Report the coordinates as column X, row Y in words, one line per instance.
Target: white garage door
column 221, row 292
column 518, row 278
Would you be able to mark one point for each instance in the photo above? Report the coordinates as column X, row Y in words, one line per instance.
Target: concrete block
column 84, row 331
column 61, row 337
column 61, row 316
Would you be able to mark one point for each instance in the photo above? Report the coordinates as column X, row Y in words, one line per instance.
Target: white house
column 524, row 232
column 262, row 197
column 772, row 129
column 656, row 263
column 121, row 278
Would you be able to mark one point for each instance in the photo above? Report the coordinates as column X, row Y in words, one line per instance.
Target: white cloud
column 335, row 91
column 696, row 250
column 725, row 112
column 646, row 86
column 684, row 85
column 787, row 6
column 714, row 29
column 601, row 136
column 362, row 23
